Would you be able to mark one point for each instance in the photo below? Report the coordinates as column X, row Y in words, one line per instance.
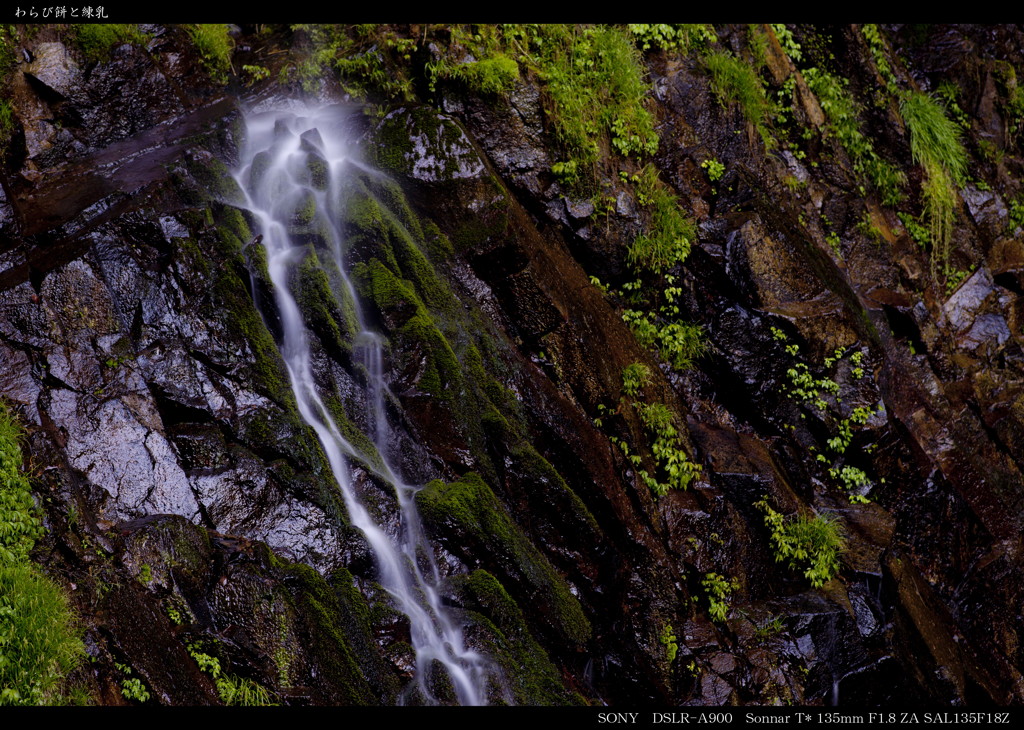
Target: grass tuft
column 97, row 40
column 734, row 80
column 214, row 46
column 936, row 145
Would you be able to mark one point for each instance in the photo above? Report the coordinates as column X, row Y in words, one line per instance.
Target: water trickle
column 293, row 169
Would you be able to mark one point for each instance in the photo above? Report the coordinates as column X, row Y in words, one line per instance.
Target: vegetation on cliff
column 39, row 638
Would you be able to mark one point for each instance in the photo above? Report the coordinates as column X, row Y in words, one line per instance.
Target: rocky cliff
column 703, row 344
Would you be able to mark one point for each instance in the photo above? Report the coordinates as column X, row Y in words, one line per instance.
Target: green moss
column 320, row 309
column 533, row 679
column 377, row 283
column 468, row 517
column 189, row 254
column 389, row 195
column 305, row 210
column 442, row 375
column 213, row 178
column 317, row 172
column 335, row 629
column 394, row 145
column 6, row 124
column 495, row 75
column 500, row 397
column 241, row 319
column 439, row 248
column 378, row 216
column 359, row 440
column 491, row 221
column 235, row 221
column 417, row 268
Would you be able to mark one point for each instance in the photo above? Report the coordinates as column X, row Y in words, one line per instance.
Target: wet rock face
column 195, row 513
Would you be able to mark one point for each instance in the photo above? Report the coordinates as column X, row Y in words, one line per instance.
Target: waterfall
column 291, row 158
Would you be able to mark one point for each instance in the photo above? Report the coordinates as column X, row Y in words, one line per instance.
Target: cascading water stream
column 281, row 150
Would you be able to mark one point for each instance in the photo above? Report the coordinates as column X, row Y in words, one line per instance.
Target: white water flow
column 275, row 173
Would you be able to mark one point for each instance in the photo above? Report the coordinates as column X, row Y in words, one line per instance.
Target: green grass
column 733, row 80
column 214, row 46
column 595, row 85
column 97, row 40
column 39, row 643
column 936, row 145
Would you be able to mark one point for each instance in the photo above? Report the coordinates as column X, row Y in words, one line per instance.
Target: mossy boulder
column 425, row 145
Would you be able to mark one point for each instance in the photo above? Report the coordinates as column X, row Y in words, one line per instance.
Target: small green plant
column 843, row 115
column 832, row 239
column 822, row 395
column 132, row 687
column 256, row 72
column 666, row 446
column 145, row 574
column 601, row 287
column 810, row 545
column 714, row 169
column 233, row 690
column 1016, row 214
column 718, row 589
column 877, row 46
column 950, row 95
column 672, row 37
column 867, row 227
column 667, row 450
column 634, row 378
column 919, row 234
column 174, row 615
column 6, row 124
column 668, row 640
column 767, row 630
column 666, row 242
column 787, row 41
column 955, row 277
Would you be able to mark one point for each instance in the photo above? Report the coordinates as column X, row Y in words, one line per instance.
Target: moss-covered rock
column 422, row 144
column 470, row 521
column 531, row 676
column 332, row 325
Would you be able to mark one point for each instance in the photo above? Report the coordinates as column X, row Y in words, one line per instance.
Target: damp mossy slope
column 471, row 522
